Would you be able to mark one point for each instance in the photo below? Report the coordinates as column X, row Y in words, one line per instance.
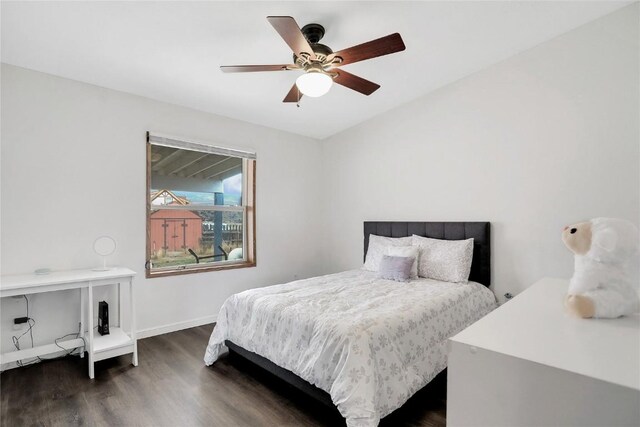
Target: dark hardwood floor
column 172, row 387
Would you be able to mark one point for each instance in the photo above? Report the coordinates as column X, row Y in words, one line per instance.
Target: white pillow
column 376, row 250
column 408, row 252
column 447, row 260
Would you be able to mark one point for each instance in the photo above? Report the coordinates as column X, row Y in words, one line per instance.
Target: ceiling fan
column 319, row 63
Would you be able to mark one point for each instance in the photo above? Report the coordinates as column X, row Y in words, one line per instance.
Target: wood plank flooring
column 172, row 387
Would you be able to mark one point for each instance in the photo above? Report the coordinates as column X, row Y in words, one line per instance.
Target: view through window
column 200, row 214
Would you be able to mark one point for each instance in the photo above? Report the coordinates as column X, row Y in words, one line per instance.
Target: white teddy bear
column 603, row 282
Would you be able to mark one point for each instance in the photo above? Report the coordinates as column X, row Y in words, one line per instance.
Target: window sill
column 190, row 270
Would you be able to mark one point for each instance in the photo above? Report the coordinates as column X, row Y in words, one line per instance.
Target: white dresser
column 528, row 363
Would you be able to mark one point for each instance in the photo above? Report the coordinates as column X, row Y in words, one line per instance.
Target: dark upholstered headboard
column 480, row 231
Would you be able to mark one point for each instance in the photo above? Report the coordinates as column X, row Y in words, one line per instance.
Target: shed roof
column 177, row 200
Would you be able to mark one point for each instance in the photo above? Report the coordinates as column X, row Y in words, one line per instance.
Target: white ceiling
column 171, row 51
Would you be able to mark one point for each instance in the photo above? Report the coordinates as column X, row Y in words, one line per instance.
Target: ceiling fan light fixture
column 314, row 83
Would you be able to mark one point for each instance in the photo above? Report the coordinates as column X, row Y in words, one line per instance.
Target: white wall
column 543, row 139
column 73, row 168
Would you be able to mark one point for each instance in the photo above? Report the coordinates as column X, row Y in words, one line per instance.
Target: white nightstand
column 528, row 363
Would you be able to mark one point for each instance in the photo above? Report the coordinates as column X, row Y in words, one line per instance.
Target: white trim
column 219, row 208
column 173, row 327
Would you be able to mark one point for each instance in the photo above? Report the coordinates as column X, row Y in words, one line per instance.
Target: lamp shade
column 314, row 84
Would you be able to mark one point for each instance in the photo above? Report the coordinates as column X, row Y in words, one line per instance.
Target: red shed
column 174, row 230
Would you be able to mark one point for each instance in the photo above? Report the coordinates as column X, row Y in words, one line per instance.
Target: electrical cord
column 32, row 322
column 16, row 340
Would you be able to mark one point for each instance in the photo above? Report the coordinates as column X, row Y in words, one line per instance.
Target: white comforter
column 370, row 343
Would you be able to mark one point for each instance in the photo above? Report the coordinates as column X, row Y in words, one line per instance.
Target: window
column 200, row 207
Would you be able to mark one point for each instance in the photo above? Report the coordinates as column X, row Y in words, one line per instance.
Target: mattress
column 370, row 343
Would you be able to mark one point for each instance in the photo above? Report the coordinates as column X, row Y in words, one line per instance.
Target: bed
column 350, row 339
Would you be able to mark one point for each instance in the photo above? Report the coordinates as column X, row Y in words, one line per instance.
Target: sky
column 233, row 185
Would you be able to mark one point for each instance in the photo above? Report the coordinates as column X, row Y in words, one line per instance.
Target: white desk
column 530, row 363
column 99, row 347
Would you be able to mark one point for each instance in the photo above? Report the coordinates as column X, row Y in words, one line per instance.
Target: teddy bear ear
column 607, row 240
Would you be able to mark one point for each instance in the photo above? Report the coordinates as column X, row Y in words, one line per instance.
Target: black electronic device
column 103, row 318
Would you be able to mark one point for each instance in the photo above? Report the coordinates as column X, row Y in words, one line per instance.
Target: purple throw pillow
column 396, row 268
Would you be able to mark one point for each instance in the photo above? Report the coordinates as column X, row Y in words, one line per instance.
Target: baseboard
column 177, row 326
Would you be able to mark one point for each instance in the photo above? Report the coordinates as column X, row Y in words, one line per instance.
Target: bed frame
column 480, row 272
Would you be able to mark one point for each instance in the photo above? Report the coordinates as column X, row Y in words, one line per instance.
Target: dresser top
column 534, row 326
column 25, row 281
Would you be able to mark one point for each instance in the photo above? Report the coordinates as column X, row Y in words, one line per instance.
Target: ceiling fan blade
column 383, row 46
column 253, row 68
column 294, row 95
column 356, row 83
column 288, row 29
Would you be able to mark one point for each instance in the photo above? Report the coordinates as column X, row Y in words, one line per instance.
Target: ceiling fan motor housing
column 314, row 33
